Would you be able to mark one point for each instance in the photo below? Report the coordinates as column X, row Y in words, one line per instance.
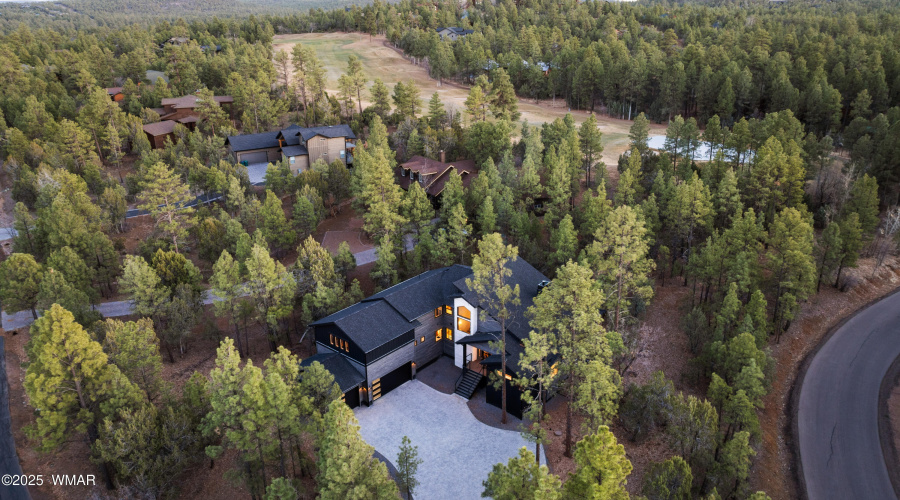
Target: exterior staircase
column 469, row 383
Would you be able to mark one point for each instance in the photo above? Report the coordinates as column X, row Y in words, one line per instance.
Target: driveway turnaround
column 457, row 451
column 837, row 416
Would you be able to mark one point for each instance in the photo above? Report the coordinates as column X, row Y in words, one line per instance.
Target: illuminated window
column 463, row 312
column 415, row 342
column 330, row 336
column 422, row 339
column 448, row 309
column 438, row 335
column 448, row 333
column 508, row 376
column 464, row 325
column 438, row 311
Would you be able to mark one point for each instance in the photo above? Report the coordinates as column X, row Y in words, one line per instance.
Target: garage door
column 260, row 157
column 351, row 397
column 391, row 381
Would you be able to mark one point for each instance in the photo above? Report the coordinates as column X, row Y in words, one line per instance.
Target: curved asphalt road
column 837, row 415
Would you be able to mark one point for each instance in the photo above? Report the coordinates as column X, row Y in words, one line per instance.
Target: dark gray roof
column 423, row 293
column 346, row 376
column 369, row 324
column 527, row 277
column 248, row 142
column 290, row 135
column 294, row 151
column 456, row 30
column 329, row 131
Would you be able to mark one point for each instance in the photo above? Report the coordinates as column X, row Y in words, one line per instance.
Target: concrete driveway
column 457, row 451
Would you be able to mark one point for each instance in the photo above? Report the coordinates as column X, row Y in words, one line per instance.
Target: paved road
column 837, row 414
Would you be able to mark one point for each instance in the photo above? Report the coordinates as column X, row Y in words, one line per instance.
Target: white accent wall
column 460, row 352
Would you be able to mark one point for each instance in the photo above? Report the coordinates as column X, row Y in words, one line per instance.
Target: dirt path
column 775, row 470
column 380, row 60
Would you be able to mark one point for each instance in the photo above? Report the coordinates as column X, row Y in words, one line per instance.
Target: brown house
column 115, row 93
column 178, row 110
column 157, row 132
column 432, row 175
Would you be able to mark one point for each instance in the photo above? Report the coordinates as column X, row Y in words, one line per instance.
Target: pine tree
column 693, row 427
column 601, row 468
column 357, row 78
column 628, row 190
column 476, row 104
column 504, row 103
column 70, row 381
column 407, row 466
column 381, row 98
column 55, row 289
column 564, row 241
column 275, row 226
column 490, row 283
column 864, row 201
column 458, row 232
column 134, row 348
column 590, row 140
column 792, row 265
column 828, row 251
column 20, row 283
column 851, row 243
column 437, row 115
column 668, row 480
column 569, row 310
column 639, row 134
column 347, row 469
column 165, row 196
column 487, row 216
column 225, row 283
column 619, row 259
column 270, row 287
column 384, row 274
column 522, row 478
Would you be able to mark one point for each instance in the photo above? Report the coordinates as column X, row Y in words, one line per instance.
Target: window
column 292, row 159
column 448, row 333
column 422, row 340
column 448, row 309
column 438, row 311
column 415, row 342
column 439, row 334
column 463, row 312
column 463, row 325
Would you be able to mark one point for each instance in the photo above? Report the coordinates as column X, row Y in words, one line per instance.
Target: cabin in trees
column 115, row 93
column 300, row 147
column 375, row 345
column 432, row 175
column 178, row 110
column 452, row 33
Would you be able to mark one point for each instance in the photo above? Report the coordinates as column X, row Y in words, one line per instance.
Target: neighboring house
column 432, row 175
column 452, row 33
column 115, row 93
column 178, row 110
column 159, row 131
column 300, row 147
column 387, row 337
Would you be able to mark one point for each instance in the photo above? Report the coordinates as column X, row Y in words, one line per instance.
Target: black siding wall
column 429, row 350
column 323, row 333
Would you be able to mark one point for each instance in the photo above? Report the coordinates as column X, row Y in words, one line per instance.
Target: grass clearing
column 379, row 60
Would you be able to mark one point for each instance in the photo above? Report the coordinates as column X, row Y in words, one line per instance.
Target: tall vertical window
column 438, row 311
column 463, row 322
column 439, row 334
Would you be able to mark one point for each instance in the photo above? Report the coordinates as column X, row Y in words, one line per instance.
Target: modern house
column 452, row 33
column 375, row 345
column 299, row 146
column 178, row 110
column 432, row 175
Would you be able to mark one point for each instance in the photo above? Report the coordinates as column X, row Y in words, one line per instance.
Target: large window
column 463, row 322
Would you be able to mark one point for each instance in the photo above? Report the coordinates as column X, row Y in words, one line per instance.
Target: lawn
column 381, row 61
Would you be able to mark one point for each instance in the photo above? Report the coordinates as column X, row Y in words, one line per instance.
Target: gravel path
column 457, row 451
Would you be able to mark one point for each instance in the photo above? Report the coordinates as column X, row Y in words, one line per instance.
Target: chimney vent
column 443, row 156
